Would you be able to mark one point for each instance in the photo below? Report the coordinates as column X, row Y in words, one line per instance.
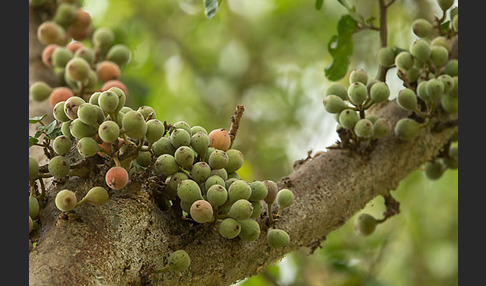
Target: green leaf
column 319, row 4
column 341, row 48
column 32, row 141
column 36, row 119
column 444, row 27
column 210, row 8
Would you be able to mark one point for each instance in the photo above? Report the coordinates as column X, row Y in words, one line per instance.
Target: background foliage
column 270, row 56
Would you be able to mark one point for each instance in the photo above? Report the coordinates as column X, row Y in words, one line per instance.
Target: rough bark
column 124, row 241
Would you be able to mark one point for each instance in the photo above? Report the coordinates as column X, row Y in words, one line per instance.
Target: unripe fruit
column 134, row 124
column 239, row 190
column 103, row 37
column 189, row 191
column 233, row 175
column 447, row 81
column 118, row 54
column 413, row 74
column 421, row 27
column 277, row 238
column 201, row 211
column 108, row 101
column 272, row 189
column 62, row 144
column 39, row 91
column 47, row 55
column 229, row 181
column 65, row 200
column 455, row 23
column 33, row 207
column 114, row 83
column 445, row 4
column 200, row 171
column 221, row 173
column 88, row 114
column 434, row 169
column 379, row 92
column 180, row 137
column 364, row 128
column 184, row 156
column 88, row 147
column 404, row 61
column 218, row 159
column 450, row 103
column 348, row 118
column 365, row 224
column 421, row 91
column 386, row 56
column 229, row 228
column 407, row 128
column 357, row 93
column 146, row 111
column 453, row 12
column 371, row 117
column 213, row 180
column 49, row 32
column 439, row 55
column 78, row 69
column 93, row 99
column 250, row 230
column 97, row 196
column 195, row 129
column 200, row 143
column 163, row 146
column 420, row 49
column 107, row 70
column 258, row 191
column 358, row 75
column 455, row 89
column 407, row 99
column 240, row 209
column 109, row 131
column 434, row 89
column 65, row 14
column 59, row 94
column 59, row 166
column 285, row 197
column 33, row 168
column 58, row 112
column 441, row 41
column 381, row 128
column 217, row 195
column 337, row 89
column 451, row 68
column 235, row 160
column 65, row 129
column 183, row 125
column 166, row 165
column 116, row 178
column 71, row 106
column 79, row 130
column 333, row 104
column 257, row 208
column 61, row 56
column 219, row 139
column 155, row 130
column 179, row 260
column 452, row 159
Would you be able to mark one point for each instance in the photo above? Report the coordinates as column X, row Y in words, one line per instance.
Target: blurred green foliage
column 270, row 56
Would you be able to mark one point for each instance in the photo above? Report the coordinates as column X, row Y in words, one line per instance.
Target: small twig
column 392, row 207
column 235, row 122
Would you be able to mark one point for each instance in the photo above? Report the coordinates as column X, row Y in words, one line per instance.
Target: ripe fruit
column 277, row 238
column 62, row 144
column 379, row 92
column 421, row 27
column 109, row 131
column 250, row 230
column 358, row 75
column 285, row 197
column 39, row 91
column 229, row 228
column 189, row 191
column 272, row 189
column 357, row 93
column 47, row 55
column 179, row 260
column 65, row 200
column 116, row 178
column 49, row 32
column 166, row 165
column 365, row 224
column 88, row 147
column 180, row 137
column 134, row 124
column 59, row 166
column 59, row 94
column 240, row 209
column 97, row 196
column 107, row 70
column 333, row 103
column 386, row 56
column 407, row 128
column 201, row 211
column 407, row 99
column 219, row 139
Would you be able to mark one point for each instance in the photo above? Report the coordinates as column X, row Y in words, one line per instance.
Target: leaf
column 32, row 141
column 341, row 48
column 319, row 4
column 210, row 8
column 51, row 127
column 36, row 119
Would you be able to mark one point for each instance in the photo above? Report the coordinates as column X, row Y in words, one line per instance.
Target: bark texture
column 124, row 241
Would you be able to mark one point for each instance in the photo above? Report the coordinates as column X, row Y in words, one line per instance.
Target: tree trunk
column 124, row 241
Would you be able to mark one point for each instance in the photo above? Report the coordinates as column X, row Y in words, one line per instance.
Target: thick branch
column 122, row 242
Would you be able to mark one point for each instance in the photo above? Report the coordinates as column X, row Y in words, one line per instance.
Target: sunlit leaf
column 32, row 141
column 36, row 119
column 210, row 8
